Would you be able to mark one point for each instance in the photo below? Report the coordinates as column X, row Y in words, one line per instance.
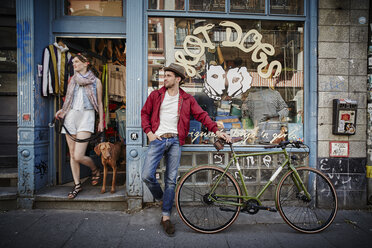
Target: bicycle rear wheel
column 307, row 215
column 195, row 207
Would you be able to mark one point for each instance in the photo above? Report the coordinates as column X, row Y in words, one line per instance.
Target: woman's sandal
column 96, row 176
column 75, row 191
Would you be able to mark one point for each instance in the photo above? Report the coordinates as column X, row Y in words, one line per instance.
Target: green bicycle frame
column 234, row 160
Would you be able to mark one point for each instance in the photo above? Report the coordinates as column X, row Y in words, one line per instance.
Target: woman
column 83, row 98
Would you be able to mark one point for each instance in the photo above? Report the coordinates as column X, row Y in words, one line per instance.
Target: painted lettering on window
column 260, row 51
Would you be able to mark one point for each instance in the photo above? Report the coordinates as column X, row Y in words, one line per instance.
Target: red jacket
column 186, row 105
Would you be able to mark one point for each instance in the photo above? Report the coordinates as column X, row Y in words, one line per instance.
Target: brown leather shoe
column 168, row 227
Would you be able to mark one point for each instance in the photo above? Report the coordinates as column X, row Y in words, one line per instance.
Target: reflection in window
column 292, row 7
column 207, row 5
column 93, row 8
column 246, row 97
column 167, row 4
column 256, row 6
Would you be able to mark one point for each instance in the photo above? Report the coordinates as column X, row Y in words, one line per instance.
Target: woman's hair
column 84, row 57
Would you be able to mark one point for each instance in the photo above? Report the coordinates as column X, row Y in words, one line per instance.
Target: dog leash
column 91, row 138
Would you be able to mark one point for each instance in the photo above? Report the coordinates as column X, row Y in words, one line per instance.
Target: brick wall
column 342, row 73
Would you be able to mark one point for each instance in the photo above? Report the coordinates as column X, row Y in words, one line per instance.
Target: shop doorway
column 108, row 57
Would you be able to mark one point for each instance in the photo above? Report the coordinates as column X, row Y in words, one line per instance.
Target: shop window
column 257, row 6
column 207, row 5
column 287, row 7
column 247, row 74
column 167, row 4
column 93, row 8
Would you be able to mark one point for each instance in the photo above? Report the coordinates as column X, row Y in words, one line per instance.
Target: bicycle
column 209, row 199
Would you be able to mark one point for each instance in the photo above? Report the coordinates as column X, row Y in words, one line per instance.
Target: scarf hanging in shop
column 85, row 81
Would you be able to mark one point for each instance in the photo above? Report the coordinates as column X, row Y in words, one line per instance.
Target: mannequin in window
column 265, row 105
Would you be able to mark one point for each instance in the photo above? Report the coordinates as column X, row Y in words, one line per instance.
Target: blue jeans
column 171, row 150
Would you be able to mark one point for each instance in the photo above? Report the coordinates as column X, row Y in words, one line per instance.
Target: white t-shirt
column 79, row 101
column 168, row 115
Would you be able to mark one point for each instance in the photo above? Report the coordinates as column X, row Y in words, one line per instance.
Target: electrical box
column 344, row 116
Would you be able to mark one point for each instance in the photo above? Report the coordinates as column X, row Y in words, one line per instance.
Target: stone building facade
column 342, row 74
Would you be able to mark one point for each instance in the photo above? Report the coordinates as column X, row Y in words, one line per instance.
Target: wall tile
column 358, row 34
column 333, row 50
column 358, row 50
column 335, row 33
column 334, row 4
column 357, row 165
column 358, row 83
column 333, row 67
column 325, row 98
column 358, row 66
column 333, row 17
column 332, row 83
column 355, row 14
column 325, row 116
column 358, row 149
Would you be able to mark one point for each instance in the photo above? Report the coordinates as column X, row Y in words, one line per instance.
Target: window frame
column 245, row 16
column 227, row 10
column 67, row 24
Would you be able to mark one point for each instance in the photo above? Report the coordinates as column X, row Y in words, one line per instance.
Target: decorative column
column 25, row 91
column 135, row 84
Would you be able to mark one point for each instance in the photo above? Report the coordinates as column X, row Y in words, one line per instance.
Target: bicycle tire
column 199, row 213
column 302, row 214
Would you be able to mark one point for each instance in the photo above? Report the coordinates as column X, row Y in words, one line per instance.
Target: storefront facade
column 252, row 65
column 236, row 82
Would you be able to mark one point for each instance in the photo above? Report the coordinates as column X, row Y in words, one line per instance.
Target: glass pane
column 167, row 4
column 207, row 5
column 94, row 8
column 257, row 6
column 293, row 7
column 246, row 74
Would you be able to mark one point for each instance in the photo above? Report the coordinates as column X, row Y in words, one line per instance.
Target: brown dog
column 110, row 154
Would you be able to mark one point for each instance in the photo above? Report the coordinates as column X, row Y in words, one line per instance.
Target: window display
column 93, row 8
column 257, row 6
column 247, row 74
column 207, row 5
column 291, row 7
column 167, row 4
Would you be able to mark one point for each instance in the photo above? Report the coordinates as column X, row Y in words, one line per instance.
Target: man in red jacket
column 166, row 122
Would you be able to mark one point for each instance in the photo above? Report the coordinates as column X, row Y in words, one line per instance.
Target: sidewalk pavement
column 74, row 228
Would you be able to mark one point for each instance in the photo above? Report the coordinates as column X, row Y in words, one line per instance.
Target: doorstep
column 90, row 198
column 8, row 198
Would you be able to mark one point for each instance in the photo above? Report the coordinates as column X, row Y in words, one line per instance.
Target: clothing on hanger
column 105, row 99
column 117, row 82
column 121, row 121
column 57, row 69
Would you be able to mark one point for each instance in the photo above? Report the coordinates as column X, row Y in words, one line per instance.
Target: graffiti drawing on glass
column 247, row 74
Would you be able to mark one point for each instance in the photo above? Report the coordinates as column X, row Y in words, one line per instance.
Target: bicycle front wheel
column 194, row 200
column 307, row 213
